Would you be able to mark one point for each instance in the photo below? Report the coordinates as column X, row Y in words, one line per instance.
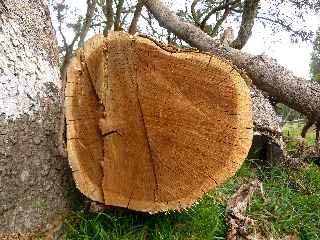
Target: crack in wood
column 148, row 143
column 130, row 198
column 212, row 179
column 111, row 132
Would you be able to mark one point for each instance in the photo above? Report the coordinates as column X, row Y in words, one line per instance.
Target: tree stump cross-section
column 153, row 130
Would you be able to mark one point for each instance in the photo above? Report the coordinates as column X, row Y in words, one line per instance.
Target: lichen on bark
column 32, row 185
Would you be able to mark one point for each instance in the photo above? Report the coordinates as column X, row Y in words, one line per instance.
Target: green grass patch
column 291, row 203
column 203, row 221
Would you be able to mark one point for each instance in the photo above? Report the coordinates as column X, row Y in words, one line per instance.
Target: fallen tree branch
column 266, row 73
column 236, row 209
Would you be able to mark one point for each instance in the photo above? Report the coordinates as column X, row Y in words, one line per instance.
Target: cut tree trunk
column 266, row 73
column 32, row 174
column 152, row 128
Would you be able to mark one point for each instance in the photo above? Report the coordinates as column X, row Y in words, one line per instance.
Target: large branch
column 91, row 7
column 248, row 16
column 117, row 20
column 136, row 16
column 266, row 73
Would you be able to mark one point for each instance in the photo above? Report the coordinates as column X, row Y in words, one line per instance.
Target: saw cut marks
column 153, row 130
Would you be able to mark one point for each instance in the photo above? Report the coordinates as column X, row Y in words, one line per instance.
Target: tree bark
column 136, row 16
column 91, row 7
column 108, row 12
column 32, row 185
column 248, row 16
column 267, row 143
column 266, row 73
column 117, row 20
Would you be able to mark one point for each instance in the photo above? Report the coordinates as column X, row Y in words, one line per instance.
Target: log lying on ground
column 150, row 129
column 267, row 143
column 266, row 73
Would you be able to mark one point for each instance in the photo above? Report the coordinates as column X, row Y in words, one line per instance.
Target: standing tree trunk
column 32, row 174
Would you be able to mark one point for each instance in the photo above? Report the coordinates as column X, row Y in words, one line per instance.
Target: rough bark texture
column 237, row 222
column 266, row 73
column 267, row 142
column 31, row 174
column 176, row 123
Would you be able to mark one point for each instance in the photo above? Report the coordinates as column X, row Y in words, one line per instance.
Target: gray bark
column 267, row 141
column 266, row 73
column 91, row 7
column 108, row 12
column 136, row 16
column 248, row 16
column 117, row 20
column 32, row 185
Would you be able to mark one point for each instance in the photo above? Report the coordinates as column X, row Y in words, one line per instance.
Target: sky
column 295, row 57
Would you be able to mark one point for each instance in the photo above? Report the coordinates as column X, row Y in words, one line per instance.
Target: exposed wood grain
column 175, row 124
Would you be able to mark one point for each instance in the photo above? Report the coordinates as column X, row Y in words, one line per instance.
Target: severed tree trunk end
column 150, row 129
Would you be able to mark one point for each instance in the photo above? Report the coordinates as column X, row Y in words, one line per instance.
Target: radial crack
column 149, row 146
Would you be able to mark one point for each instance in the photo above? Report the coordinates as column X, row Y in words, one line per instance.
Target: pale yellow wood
column 165, row 127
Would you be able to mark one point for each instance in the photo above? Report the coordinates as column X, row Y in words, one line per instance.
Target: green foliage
column 315, row 59
column 288, row 113
column 291, row 203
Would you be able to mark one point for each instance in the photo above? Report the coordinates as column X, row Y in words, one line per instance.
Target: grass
column 293, row 130
column 203, row 221
column 290, row 204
